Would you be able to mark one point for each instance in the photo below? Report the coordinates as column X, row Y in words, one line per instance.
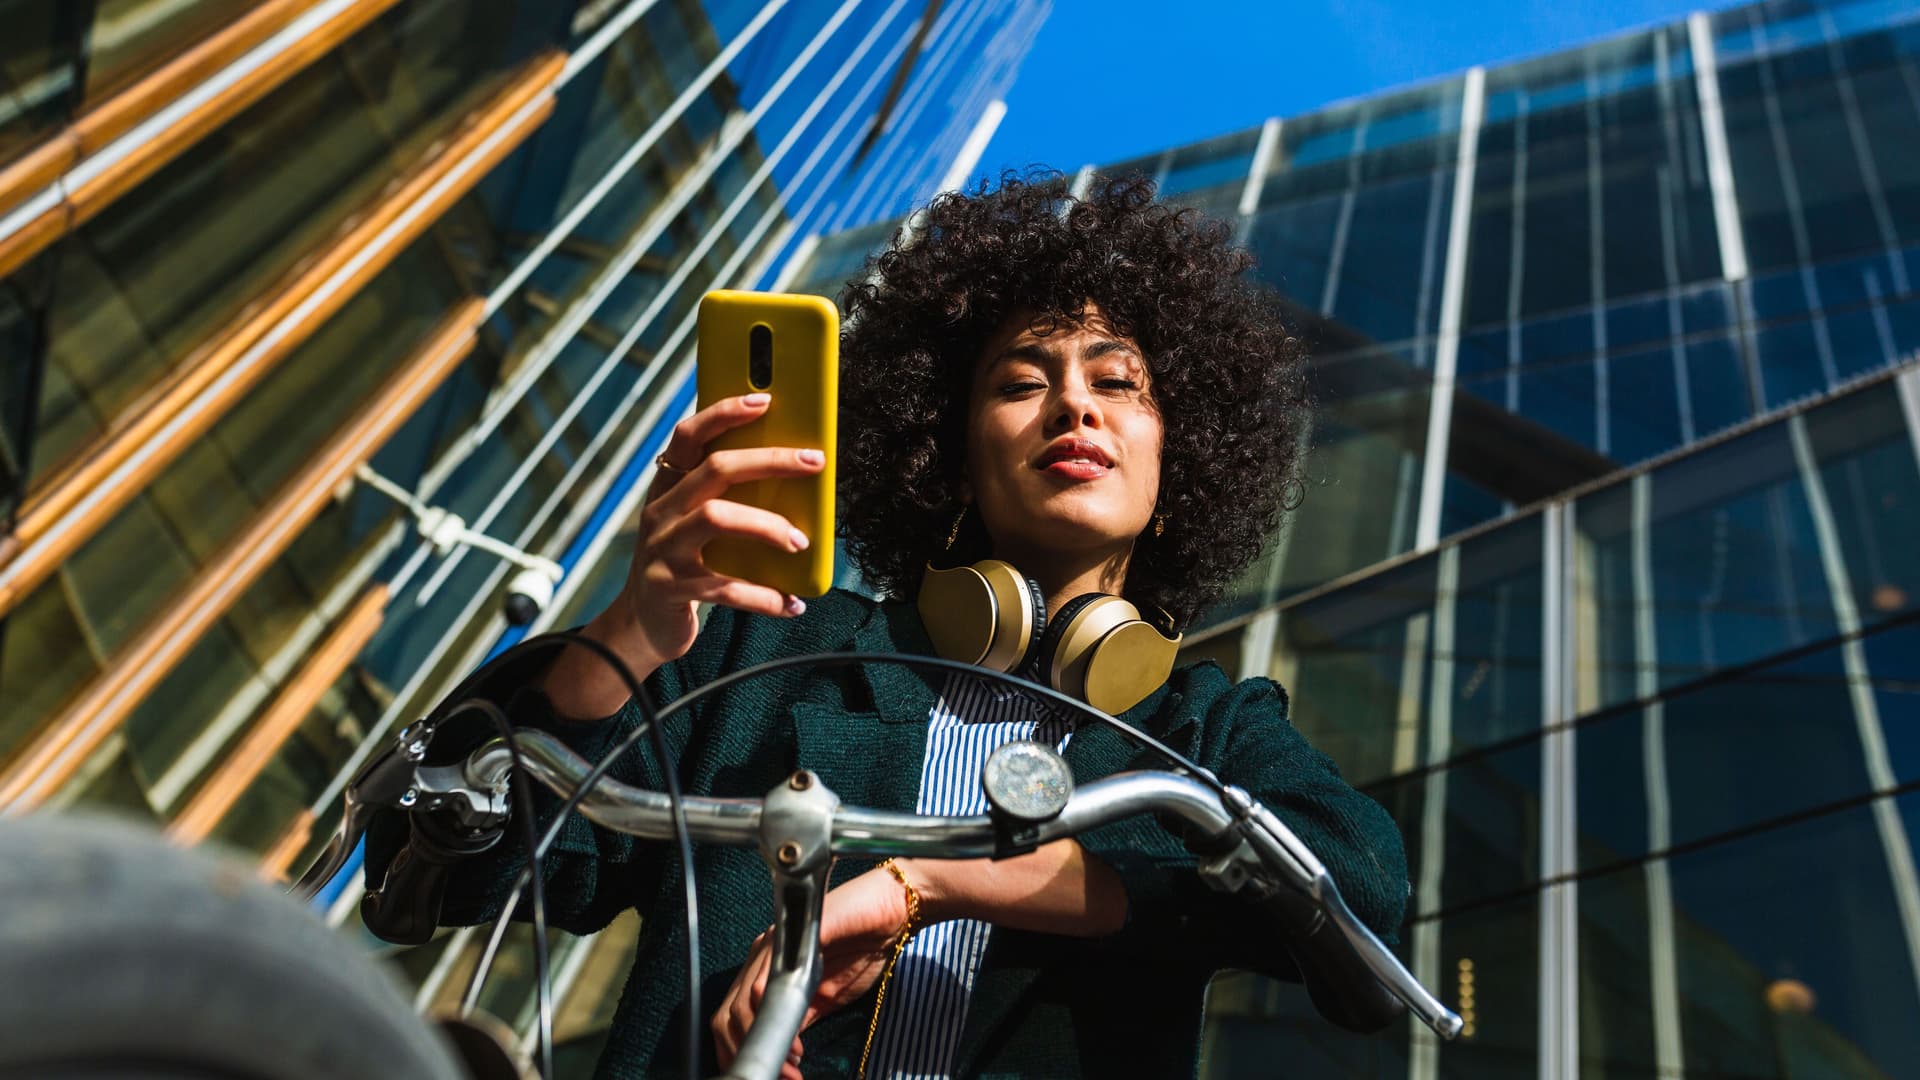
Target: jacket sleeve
column 590, row 874
column 1250, row 743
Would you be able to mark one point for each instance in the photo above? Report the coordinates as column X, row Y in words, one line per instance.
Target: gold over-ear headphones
column 1098, row 648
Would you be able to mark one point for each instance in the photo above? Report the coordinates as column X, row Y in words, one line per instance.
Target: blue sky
column 1110, row 79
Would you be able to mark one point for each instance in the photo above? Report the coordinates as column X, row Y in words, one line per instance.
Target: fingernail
column 798, row 538
column 758, row 399
column 812, row 457
column 795, row 605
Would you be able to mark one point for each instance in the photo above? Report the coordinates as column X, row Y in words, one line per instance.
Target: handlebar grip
column 405, row 908
column 1342, row 986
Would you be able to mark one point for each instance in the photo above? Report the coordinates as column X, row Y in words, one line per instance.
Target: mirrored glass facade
column 1601, row 581
column 461, row 243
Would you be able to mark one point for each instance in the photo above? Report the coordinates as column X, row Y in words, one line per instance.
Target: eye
column 1015, row 389
column 1117, row 383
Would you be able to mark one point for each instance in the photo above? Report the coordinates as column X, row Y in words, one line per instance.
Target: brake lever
column 474, row 791
column 382, row 781
column 1278, row 848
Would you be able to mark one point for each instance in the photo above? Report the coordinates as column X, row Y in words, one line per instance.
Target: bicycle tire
column 121, row 954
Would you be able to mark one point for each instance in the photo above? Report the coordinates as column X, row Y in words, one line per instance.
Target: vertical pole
column 1713, row 128
column 1424, row 1060
column 1263, row 154
column 1452, row 299
column 1668, row 1049
column 1559, row 1051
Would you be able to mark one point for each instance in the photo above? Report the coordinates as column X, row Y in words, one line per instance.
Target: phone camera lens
column 760, row 356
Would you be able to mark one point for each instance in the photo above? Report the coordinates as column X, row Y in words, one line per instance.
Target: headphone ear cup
column 1022, row 614
column 1046, row 665
column 960, row 611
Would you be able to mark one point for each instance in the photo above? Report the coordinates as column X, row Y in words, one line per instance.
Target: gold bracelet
column 899, row 946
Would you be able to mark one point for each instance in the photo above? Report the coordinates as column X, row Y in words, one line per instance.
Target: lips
column 1074, row 459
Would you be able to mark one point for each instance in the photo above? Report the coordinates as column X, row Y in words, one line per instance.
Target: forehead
column 1026, row 335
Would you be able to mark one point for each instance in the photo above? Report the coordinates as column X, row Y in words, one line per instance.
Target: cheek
column 1150, row 438
column 994, row 435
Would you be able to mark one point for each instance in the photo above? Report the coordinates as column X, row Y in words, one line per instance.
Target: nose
column 1073, row 406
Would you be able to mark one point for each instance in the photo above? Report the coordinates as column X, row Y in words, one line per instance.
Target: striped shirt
column 927, row 1002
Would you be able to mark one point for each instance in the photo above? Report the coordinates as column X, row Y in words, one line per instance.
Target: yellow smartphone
column 788, row 346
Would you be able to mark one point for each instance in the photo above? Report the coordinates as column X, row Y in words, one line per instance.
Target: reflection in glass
column 1789, row 951
column 1487, row 844
column 126, row 574
column 1485, row 964
column 1451, row 640
column 1716, row 559
column 172, row 264
column 38, row 71
column 131, row 37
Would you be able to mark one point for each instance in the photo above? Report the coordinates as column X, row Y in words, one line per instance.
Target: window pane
column 125, row 575
column 1731, row 551
column 37, row 71
column 1787, row 952
column 131, row 37
column 173, row 263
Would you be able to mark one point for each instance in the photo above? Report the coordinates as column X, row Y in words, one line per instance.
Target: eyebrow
column 1040, row 354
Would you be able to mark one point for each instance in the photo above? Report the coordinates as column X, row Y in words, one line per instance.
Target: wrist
column 618, row 628
column 930, row 881
column 581, row 685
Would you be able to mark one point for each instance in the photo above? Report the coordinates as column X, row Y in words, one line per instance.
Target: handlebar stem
column 796, row 840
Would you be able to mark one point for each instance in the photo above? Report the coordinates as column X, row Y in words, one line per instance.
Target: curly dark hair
column 1227, row 372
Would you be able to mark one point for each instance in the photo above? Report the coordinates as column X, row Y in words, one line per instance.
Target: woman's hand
column 859, row 923
column 684, row 510
column 655, row 617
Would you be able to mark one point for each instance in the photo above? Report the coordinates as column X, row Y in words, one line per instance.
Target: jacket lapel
column 873, row 757
column 864, row 759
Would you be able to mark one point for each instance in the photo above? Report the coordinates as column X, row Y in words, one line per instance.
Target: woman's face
column 1063, row 438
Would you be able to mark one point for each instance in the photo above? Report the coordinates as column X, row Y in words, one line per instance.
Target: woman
column 1093, row 390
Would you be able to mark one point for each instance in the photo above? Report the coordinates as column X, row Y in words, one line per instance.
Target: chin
column 1077, row 530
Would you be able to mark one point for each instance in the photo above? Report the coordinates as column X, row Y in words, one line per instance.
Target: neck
column 1065, row 575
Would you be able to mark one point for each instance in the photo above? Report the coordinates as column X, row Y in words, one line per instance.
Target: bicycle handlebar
column 1354, row 981
column 856, row 831
column 801, row 826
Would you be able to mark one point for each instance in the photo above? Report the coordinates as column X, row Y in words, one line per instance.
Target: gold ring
column 660, row 462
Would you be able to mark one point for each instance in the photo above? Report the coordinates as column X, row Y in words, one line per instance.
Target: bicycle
column 462, row 808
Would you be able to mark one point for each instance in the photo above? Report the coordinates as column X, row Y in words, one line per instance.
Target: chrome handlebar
column 801, row 826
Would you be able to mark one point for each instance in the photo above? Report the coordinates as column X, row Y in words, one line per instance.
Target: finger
column 722, row 469
column 680, row 542
column 732, row 592
column 758, row 992
column 688, row 445
column 741, row 1009
column 791, row 1071
column 724, row 1044
column 726, row 1037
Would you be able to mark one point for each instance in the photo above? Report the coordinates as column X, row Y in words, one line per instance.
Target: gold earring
column 954, row 535
column 1159, row 524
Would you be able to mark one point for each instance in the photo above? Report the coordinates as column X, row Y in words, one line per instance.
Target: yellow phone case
column 805, row 384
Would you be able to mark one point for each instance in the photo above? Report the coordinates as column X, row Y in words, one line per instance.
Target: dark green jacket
column 1125, row 1005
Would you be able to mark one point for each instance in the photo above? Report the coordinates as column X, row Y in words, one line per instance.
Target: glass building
column 247, row 249
column 1598, row 582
